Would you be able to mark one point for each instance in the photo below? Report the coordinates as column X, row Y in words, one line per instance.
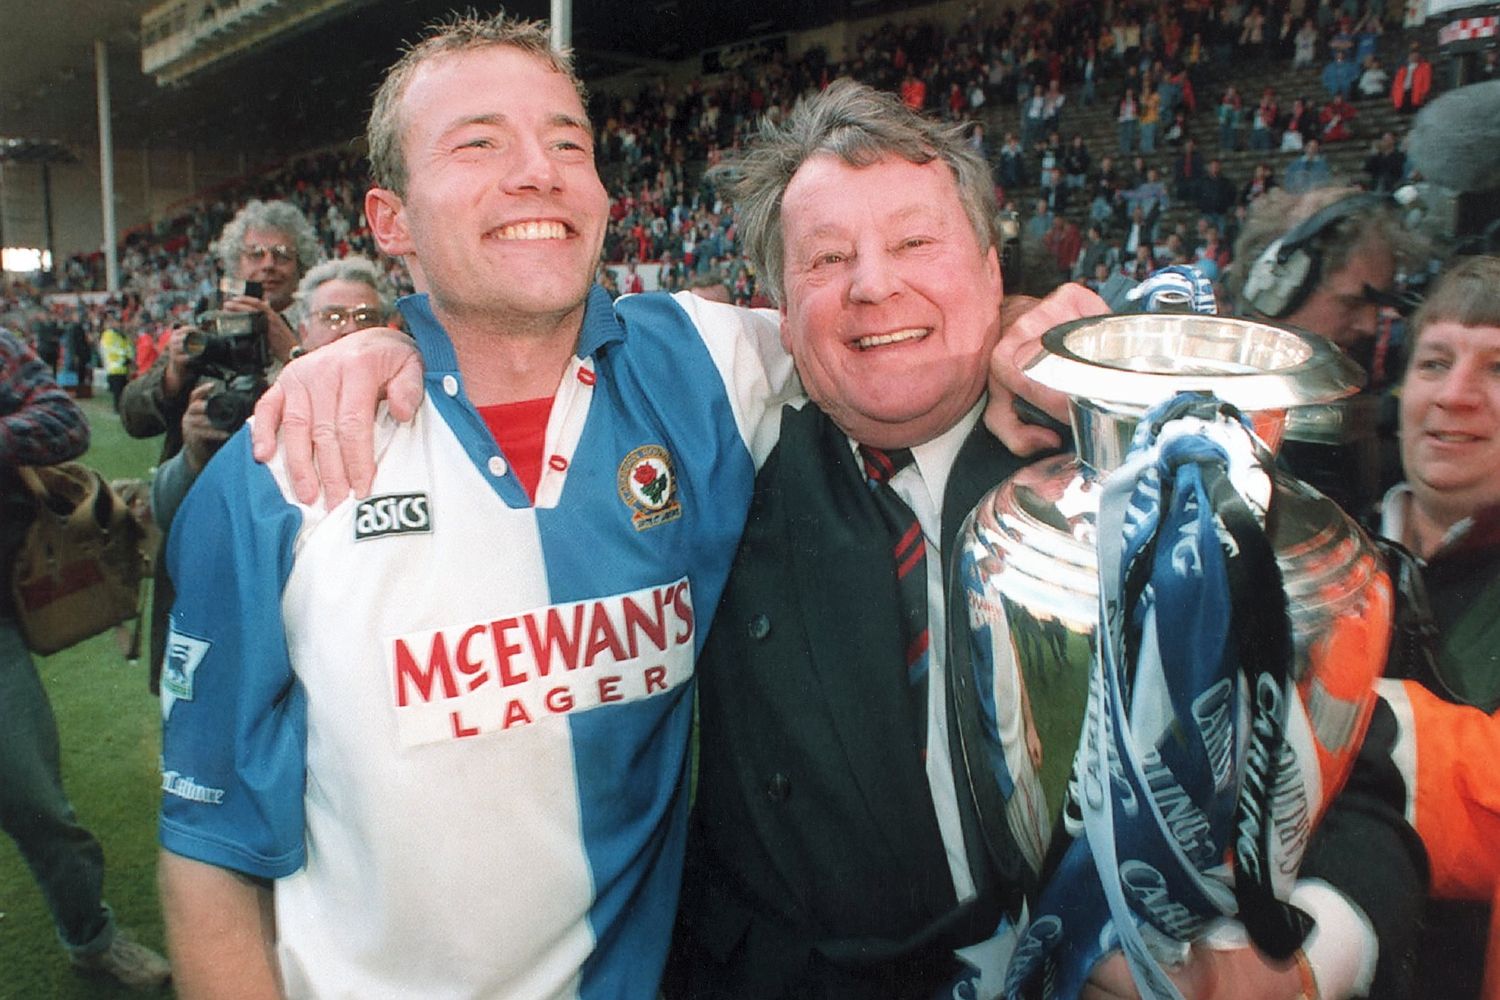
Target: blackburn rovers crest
column 649, row 487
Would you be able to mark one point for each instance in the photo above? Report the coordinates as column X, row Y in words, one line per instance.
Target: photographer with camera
column 335, row 298
column 205, row 383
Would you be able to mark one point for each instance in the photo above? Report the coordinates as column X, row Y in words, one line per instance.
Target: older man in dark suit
column 832, row 853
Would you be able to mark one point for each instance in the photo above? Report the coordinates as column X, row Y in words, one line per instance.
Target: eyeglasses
column 281, row 253
column 338, row 317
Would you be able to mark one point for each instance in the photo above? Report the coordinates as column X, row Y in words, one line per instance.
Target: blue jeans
column 64, row 858
column 1148, row 137
column 1127, row 136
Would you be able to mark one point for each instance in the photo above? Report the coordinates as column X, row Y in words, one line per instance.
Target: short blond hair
column 462, row 32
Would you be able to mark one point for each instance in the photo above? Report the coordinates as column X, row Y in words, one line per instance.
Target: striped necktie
column 909, row 556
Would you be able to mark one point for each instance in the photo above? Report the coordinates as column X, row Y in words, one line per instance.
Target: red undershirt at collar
column 520, row 429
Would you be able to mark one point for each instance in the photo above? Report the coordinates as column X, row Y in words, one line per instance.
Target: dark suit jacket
column 816, row 868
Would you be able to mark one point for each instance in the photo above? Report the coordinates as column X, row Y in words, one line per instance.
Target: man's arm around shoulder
column 221, row 931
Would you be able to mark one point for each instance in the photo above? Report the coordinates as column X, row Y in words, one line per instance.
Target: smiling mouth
column 1453, row 437
column 898, row 337
column 532, row 231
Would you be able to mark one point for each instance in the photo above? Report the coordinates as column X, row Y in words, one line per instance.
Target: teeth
column 880, row 340
column 533, row 231
column 1450, row 437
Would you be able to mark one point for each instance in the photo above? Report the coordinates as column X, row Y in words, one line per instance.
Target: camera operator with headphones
column 205, row 383
column 1326, row 261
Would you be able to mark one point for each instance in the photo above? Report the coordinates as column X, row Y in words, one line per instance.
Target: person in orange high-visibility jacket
column 1446, row 753
column 1413, row 82
column 1447, row 700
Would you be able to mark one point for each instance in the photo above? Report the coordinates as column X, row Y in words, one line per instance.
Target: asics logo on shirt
column 392, row 514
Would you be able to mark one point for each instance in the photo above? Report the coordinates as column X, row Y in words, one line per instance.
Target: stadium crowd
column 1093, row 211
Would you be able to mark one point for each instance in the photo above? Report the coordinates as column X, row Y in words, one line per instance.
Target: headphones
column 1284, row 275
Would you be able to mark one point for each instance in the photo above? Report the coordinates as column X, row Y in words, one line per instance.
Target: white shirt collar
column 934, row 459
column 1395, row 521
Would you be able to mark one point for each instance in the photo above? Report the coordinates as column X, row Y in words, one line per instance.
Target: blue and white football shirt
column 453, row 725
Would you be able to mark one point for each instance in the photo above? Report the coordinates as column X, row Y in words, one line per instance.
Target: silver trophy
column 1031, row 588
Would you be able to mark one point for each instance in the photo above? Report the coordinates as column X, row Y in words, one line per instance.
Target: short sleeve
column 233, row 716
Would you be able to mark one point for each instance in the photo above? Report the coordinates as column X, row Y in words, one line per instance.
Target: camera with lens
column 231, row 349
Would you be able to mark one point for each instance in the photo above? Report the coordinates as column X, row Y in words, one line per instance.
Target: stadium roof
column 309, row 87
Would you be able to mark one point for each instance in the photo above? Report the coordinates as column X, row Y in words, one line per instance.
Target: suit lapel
column 847, row 594
column 982, row 464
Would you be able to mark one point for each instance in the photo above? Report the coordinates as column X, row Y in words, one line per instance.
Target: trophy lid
column 1139, row 359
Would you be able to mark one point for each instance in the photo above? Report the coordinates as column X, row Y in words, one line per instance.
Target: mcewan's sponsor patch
column 392, row 514
column 502, row 674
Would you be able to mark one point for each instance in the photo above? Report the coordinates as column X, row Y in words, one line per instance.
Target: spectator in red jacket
column 913, row 92
column 146, row 350
column 1063, row 242
column 1336, row 120
column 1413, row 81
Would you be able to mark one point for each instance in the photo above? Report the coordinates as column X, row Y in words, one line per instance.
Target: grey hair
column 352, row 268
column 460, row 32
column 1278, row 212
column 860, row 126
column 281, row 216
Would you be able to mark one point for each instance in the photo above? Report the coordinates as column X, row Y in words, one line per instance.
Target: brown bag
column 79, row 568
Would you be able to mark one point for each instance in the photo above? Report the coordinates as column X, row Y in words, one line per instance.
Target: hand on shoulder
column 323, row 405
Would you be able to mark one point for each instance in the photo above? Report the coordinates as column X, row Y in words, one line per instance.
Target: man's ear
column 386, row 213
column 994, row 272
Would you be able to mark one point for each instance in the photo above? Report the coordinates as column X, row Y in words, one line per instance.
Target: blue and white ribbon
column 1182, row 756
column 1174, row 288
